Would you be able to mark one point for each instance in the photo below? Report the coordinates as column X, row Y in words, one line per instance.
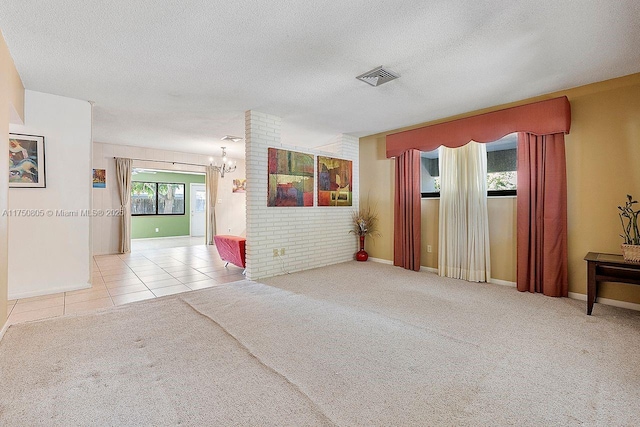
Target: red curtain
column 406, row 246
column 542, row 186
column 541, row 118
column 542, row 214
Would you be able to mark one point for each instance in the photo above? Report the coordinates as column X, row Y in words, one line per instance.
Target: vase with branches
column 365, row 223
column 629, row 220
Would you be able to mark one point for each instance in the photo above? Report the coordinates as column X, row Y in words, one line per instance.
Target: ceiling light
column 227, row 166
column 378, row 76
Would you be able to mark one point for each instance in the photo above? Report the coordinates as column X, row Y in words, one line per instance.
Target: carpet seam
column 380, row 314
column 370, row 311
column 261, row 362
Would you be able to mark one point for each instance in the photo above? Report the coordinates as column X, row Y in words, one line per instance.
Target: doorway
column 198, row 209
column 162, row 204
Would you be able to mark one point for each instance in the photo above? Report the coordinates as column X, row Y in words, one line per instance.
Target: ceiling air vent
column 231, row 138
column 378, row 76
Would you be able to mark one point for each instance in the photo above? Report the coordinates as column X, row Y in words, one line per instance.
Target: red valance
column 539, row 118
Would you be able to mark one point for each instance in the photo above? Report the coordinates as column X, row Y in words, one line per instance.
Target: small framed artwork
column 99, row 178
column 239, row 185
column 26, row 161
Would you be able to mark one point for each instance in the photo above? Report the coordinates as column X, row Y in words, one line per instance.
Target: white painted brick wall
column 312, row 236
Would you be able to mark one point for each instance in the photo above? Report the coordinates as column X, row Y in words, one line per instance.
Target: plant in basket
column 631, row 236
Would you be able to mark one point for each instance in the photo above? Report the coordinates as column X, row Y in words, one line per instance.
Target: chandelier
column 228, row 166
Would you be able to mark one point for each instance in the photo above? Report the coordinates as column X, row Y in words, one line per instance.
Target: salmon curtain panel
column 542, row 188
column 542, row 214
column 406, row 211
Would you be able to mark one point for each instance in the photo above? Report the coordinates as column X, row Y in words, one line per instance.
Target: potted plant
column 365, row 223
column 631, row 236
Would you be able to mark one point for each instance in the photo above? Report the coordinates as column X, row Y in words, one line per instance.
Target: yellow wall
column 11, row 98
column 376, row 185
column 603, row 165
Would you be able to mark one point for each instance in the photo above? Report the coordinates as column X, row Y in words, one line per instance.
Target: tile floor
column 151, row 270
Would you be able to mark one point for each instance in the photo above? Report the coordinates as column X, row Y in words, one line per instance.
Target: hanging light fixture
column 228, row 166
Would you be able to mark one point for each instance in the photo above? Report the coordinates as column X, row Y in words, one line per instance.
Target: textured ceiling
column 179, row 75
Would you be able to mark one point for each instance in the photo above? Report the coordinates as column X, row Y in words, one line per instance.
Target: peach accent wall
column 11, row 110
column 603, row 165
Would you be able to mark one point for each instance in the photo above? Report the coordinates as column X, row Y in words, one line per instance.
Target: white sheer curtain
column 464, row 225
column 212, row 196
column 123, row 175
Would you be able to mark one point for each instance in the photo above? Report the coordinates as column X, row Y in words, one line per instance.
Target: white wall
column 312, row 236
column 230, row 210
column 49, row 254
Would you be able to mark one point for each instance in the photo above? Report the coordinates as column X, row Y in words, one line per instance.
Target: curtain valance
column 540, row 118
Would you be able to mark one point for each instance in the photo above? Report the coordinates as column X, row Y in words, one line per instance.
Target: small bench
column 231, row 249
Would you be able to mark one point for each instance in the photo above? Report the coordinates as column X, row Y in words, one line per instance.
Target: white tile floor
column 153, row 269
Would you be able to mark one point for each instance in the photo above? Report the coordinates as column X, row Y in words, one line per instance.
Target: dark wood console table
column 608, row 268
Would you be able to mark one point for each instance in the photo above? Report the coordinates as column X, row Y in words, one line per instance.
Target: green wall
column 168, row 225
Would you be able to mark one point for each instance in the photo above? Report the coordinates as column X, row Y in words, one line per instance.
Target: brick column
column 311, row 236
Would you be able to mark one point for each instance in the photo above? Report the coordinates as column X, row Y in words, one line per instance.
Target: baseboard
column 4, row 329
column 165, row 237
column 494, row 281
column 572, row 295
column 386, row 261
column 502, row 282
column 48, row 291
column 607, row 301
column 575, row 295
column 380, row 260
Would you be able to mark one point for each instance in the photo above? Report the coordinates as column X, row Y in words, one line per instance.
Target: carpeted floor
column 354, row 344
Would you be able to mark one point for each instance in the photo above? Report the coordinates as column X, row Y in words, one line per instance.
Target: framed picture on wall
column 290, row 178
column 99, row 178
column 334, row 181
column 26, row 161
column 239, row 186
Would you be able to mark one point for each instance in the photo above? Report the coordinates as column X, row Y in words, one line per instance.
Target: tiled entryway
column 143, row 274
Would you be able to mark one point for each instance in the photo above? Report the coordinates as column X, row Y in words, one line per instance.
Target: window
column 154, row 198
column 501, row 169
column 143, row 198
column 171, row 199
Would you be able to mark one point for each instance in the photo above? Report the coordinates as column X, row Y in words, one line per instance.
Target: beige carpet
column 351, row 344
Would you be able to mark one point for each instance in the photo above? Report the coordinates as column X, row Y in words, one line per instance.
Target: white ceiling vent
column 378, row 76
column 231, row 138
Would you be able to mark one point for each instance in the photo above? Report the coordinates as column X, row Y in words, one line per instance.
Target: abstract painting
column 99, row 178
column 334, row 181
column 290, row 178
column 26, row 161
